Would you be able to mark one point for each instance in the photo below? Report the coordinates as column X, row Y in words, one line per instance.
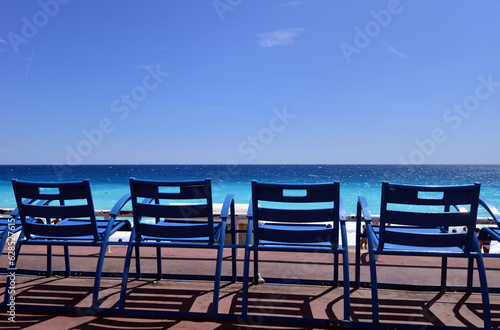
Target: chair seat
column 180, row 231
column 390, row 248
column 101, row 228
column 296, row 234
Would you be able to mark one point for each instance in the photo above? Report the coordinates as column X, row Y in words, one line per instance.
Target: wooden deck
column 271, row 305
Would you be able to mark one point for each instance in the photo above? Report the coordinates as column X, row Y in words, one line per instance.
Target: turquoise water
column 110, row 182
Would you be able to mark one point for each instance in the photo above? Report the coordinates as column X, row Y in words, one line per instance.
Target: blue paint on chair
column 177, row 215
column 62, row 214
column 413, row 232
column 296, row 218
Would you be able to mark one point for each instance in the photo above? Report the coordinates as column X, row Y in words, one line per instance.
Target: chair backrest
column 187, row 202
column 419, row 207
column 42, row 204
column 297, row 203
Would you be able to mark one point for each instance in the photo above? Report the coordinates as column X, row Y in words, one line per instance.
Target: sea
column 110, row 182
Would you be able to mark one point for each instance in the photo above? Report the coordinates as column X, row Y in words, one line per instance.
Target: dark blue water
column 109, row 182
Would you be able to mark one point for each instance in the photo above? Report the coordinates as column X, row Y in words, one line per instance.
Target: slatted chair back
column 440, row 199
column 64, row 200
column 187, row 202
column 296, row 203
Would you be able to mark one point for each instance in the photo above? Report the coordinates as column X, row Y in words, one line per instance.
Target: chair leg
column 159, row 267
column 444, row 271
column 98, row 274
column 373, row 278
column 49, row 260
column 336, row 269
column 255, row 266
column 137, row 263
column 218, row 269
column 67, row 261
column 482, row 281
column 484, row 291
column 126, row 269
column 234, row 251
column 357, row 267
column 347, row 286
column 470, row 269
column 246, row 271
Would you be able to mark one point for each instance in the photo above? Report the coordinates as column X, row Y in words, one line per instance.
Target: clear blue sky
column 249, row 82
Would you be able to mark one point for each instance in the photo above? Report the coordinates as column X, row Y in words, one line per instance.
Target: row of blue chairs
column 281, row 217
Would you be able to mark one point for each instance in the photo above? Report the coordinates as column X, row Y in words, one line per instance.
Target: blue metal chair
column 490, row 233
column 415, row 221
column 177, row 215
column 296, row 218
column 62, row 214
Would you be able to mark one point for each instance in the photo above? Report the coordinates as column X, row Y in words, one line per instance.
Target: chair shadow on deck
column 395, row 310
column 51, row 291
column 477, row 309
column 279, row 303
column 120, row 323
column 275, row 304
column 149, row 296
column 23, row 321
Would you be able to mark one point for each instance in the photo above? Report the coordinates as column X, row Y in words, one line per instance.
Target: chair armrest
column 363, row 209
column 250, row 209
column 119, row 205
column 115, row 211
column 342, row 215
column 248, row 238
column 343, row 220
column 227, row 206
column 491, row 209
